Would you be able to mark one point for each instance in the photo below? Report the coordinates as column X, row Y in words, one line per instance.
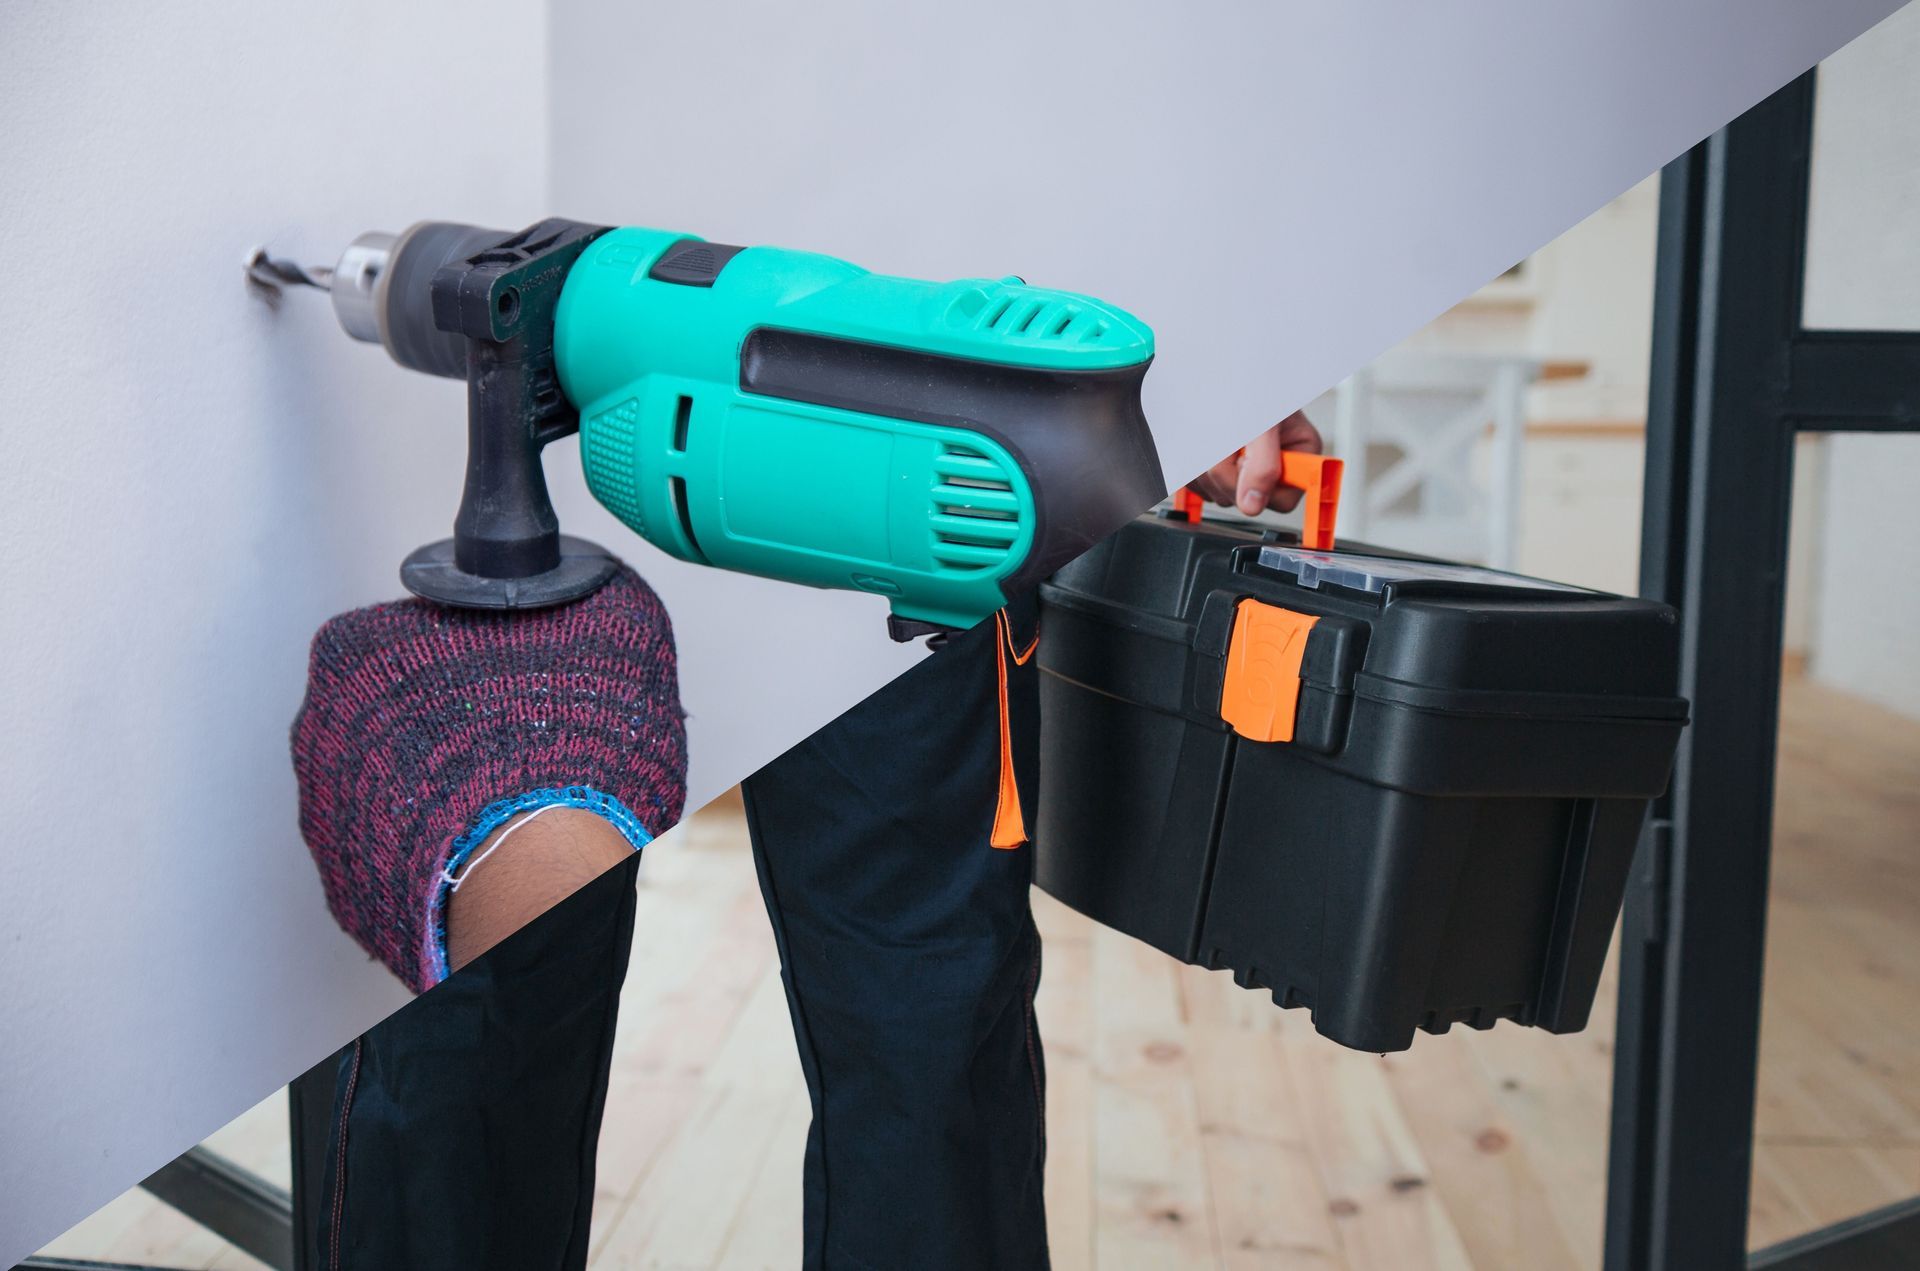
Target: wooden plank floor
column 1192, row 1124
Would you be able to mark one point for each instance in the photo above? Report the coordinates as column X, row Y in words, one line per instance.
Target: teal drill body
column 792, row 415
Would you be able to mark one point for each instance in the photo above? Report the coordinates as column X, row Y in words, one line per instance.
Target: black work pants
column 911, row 961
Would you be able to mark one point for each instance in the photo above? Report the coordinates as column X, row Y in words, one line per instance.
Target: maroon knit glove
column 425, row 728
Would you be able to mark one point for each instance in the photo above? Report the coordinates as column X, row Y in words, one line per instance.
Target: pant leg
column 465, row 1125
column 911, row 961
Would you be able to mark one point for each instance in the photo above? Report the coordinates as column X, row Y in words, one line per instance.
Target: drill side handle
column 507, row 550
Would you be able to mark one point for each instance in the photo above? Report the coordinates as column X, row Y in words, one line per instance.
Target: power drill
column 775, row 412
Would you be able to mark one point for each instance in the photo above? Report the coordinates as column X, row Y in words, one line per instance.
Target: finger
column 1221, row 479
column 1298, row 433
column 1259, row 473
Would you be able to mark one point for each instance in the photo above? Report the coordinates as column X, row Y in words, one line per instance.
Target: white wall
column 1868, row 580
column 193, row 482
column 196, row 480
column 1863, row 261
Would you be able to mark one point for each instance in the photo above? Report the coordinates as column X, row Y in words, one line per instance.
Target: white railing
column 1432, row 447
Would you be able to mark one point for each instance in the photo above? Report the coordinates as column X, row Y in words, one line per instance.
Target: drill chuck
column 382, row 292
column 354, row 285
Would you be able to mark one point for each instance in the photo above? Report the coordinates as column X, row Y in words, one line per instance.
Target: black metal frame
column 247, row 1211
column 1881, row 1240
column 1735, row 378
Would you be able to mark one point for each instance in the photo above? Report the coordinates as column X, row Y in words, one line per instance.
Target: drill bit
column 275, row 273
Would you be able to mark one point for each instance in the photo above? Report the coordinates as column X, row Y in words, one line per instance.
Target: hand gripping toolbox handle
column 1318, row 475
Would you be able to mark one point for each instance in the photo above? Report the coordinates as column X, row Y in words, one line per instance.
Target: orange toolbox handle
column 1318, row 475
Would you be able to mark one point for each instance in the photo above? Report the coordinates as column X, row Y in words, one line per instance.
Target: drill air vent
column 1032, row 315
column 975, row 514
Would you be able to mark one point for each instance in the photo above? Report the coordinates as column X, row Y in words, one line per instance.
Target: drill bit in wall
column 275, row 273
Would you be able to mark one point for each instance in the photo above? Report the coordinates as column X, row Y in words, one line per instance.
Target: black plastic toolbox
column 1425, row 809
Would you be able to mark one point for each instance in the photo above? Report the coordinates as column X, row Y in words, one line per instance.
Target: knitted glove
column 425, row 728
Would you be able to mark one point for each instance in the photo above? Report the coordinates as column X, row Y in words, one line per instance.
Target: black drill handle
column 481, row 304
column 502, row 299
column 506, row 526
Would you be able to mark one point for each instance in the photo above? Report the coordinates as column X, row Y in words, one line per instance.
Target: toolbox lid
column 1375, row 573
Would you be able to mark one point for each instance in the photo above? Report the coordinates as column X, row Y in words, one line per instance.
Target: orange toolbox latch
column 1260, row 695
